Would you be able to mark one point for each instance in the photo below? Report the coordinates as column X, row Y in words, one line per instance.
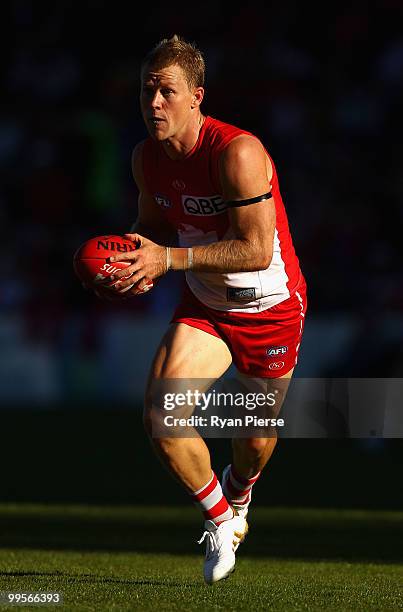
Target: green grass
column 137, row 559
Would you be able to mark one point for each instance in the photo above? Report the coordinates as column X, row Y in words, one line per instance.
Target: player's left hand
column 149, row 261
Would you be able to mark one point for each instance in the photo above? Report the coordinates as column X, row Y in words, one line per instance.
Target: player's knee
column 151, row 415
column 166, row 446
column 153, row 420
column 258, row 446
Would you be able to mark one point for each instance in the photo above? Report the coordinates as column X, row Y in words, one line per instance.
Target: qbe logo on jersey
column 203, row 206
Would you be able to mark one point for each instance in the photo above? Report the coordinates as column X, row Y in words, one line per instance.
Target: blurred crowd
column 324, row 92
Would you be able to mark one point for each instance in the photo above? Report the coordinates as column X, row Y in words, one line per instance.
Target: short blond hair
column 178, row 51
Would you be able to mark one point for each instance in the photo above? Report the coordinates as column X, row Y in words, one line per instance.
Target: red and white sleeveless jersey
column 190, row 195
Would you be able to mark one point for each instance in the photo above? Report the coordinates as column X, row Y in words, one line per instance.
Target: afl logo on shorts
column 163, row 201
column 203, row 206
column 276, row 365
column 272, row 351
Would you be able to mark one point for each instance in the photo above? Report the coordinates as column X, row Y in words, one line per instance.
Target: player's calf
column 238, row 490
column 238, row 479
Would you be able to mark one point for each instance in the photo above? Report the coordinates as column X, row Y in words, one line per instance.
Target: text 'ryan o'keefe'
column 215, row 421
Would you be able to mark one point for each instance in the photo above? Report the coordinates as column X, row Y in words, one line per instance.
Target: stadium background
column 324, row 93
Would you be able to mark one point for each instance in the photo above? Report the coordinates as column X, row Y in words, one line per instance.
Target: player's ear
column 198, row 95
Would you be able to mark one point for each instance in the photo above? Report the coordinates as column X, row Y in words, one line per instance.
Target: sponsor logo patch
column 203, row 206
column 276, row 365
column 241, row 294
column 162, row 200
column 273, row 351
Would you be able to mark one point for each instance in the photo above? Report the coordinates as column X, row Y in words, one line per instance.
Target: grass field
column 138, row 558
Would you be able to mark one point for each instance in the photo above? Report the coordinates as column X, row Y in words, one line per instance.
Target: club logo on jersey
column 276, row 365
column 179, row 185
column 203, row 206
column 273, row 351
column 162, row 200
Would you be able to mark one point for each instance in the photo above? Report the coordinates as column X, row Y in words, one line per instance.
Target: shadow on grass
column 92, row 578
column 303, row 534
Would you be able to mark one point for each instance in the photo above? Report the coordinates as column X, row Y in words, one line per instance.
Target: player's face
column 166, row 101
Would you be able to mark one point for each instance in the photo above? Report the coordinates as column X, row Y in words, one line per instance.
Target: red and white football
column 91, row 265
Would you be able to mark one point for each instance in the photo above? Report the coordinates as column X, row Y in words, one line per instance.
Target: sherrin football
column 91, row 265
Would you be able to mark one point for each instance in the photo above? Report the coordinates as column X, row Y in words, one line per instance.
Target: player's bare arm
column 245, row 173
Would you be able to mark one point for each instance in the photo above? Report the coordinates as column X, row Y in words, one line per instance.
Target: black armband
column 234, row 203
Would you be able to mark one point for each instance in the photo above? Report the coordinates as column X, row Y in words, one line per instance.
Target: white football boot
column 221, row 545
column 242, row 509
